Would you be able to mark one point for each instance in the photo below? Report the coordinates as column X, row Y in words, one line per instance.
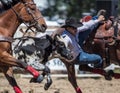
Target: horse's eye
column 33, row 9
column 61, row 44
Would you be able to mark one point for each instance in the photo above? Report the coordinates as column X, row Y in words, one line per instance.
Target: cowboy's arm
column 7, row 4
column 90, row 23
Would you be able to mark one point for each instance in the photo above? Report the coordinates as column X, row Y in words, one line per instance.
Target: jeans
column 85, row 58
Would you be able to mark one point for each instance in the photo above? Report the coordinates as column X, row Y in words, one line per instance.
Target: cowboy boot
column 109, row 74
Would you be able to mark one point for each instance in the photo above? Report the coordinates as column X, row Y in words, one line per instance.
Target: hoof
column 47, row 85
column 39, row 79
column 78, row 90
column 109, row 74
column 116, row 75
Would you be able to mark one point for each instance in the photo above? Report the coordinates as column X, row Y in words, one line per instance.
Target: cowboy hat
column 72, row 22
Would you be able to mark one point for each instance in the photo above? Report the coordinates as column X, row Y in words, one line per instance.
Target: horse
column 104, row 42
column 25, row 12
column 40, row 50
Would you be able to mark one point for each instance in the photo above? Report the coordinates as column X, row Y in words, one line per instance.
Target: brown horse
column 24, row 12
column 103, row 41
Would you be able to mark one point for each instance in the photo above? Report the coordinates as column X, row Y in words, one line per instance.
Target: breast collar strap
column 6, row 39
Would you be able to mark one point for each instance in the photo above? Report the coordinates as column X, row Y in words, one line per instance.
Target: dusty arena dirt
column 61, row 85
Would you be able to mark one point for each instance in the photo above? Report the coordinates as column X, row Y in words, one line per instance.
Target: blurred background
column 57, row 10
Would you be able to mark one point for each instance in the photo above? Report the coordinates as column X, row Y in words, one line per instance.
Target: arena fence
column 65, row 76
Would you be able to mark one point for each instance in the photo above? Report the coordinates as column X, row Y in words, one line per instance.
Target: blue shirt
column 72, row 41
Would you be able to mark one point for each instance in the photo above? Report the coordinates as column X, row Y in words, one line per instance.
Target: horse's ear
column 57, row 36
column 23, row 1
column 49, row 38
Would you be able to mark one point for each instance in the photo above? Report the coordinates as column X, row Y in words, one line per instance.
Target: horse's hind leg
column 72, row 77
column 8, row 72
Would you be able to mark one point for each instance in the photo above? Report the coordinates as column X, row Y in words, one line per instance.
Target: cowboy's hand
column 101, row 18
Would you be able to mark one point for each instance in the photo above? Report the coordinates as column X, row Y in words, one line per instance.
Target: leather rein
column 11, row 39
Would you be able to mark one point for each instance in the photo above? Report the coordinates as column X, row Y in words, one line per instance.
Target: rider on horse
column 7, row 4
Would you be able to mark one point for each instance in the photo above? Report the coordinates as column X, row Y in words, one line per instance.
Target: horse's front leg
column 72, row 77
column 8, row 59
column 8, row 72
column 46, row 72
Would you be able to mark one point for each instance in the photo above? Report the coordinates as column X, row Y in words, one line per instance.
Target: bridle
column 29, row 24
column 34, row 20
column 30, row 12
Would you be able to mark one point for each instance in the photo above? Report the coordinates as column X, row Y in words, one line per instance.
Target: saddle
column 106, row 35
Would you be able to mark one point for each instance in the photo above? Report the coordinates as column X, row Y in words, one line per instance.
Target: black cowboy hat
column 72, row 22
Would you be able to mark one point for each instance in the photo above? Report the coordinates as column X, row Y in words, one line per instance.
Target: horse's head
column 29, row 13
column 61, row 47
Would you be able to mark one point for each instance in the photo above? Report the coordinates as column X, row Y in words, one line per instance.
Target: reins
column 29, row 27
column 20, row 18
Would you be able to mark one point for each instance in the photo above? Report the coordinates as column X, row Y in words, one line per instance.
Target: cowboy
column 72, row 29
column 84, row 35
column 7, row 4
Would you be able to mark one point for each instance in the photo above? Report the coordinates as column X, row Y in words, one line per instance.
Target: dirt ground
column 62, row 85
